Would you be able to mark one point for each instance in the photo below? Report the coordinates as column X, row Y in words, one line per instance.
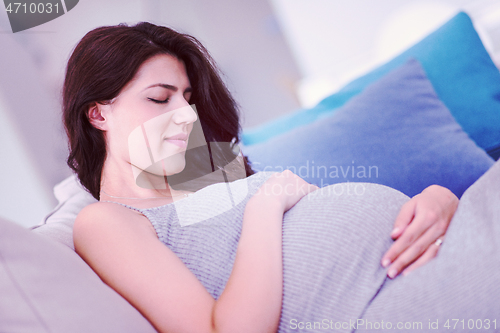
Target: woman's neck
column 120, row 181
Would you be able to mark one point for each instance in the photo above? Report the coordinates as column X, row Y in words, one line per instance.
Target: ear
column 96, row 117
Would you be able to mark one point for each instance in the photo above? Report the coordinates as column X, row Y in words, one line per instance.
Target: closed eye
column 159, row 102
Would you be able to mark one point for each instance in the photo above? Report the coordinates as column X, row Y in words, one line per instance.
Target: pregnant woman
column 191, row 237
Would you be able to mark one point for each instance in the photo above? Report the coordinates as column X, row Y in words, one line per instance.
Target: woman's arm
column 421, row 221
column 123, row 249
column 121, row 246
column 251, row 301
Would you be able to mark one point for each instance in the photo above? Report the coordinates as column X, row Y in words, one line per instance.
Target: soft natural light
column 410, row 24
column 334, row 42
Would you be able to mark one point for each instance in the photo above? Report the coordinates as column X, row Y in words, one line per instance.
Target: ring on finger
column 438, row 242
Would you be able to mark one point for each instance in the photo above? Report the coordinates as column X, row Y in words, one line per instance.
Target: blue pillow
column 397, row 132
column 458, row 66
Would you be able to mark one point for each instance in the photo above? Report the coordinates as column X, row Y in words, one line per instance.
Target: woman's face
column 149, row 123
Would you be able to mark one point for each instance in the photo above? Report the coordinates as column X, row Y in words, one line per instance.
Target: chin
column 153, row 176
column 175, row 169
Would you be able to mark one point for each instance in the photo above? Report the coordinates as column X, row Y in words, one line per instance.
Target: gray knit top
column 203, row 231
column 333, row 241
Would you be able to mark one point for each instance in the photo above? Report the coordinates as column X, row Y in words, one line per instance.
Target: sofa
column 438, row 125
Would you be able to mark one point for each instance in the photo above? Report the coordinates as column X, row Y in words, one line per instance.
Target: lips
column 179, row 140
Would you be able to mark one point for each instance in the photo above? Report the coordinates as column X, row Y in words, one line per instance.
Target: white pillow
column 58, row 224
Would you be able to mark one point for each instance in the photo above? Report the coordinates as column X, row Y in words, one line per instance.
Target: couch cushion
column 46, row 287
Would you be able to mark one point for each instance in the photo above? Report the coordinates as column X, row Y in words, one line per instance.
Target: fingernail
column 394, row 231
column 385, row 263
column 392, row 273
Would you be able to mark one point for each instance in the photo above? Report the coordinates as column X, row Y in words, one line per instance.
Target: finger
column 313, row 188
column 405, row 216
column 304, row 186
column 413, row 252
column 305, row 189
column 430, row 254
column 411, row 234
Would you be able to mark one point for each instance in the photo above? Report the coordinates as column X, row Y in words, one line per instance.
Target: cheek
column 137, row 122
column 146, row 141
column 156, row 128
column 138, row 148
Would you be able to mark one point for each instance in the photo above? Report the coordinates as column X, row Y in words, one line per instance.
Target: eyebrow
column 169, row 87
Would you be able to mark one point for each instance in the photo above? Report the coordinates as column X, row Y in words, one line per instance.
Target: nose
column 185, row 114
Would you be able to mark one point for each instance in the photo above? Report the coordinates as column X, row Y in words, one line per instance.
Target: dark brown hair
column 106, row 59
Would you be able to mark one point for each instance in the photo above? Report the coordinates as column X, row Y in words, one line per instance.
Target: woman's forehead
column 160, row 69
column 162, row 65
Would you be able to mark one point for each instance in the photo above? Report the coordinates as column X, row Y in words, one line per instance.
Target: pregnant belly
column 333, row 241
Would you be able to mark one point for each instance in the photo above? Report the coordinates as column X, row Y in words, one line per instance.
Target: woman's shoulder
column 107, row 218
column 104, row 210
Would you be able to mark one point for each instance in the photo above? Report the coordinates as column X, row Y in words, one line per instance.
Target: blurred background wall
column 334, row 41
column 276, row 56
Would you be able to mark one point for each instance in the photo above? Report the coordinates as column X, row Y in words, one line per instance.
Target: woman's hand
column 287, row 187
column 420, row 223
